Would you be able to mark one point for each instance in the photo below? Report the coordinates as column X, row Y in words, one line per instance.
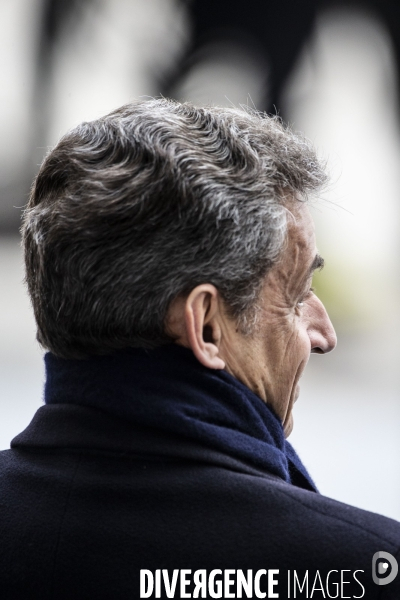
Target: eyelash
column 301, row 302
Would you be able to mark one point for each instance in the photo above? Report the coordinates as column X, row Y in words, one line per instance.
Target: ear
column 203, row 333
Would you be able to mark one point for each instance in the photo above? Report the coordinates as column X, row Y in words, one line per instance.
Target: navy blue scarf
column 167, row 388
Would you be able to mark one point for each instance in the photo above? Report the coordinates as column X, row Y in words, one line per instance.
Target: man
column 169, row 256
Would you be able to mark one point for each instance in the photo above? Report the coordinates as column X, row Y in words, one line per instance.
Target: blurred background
column 328, row 68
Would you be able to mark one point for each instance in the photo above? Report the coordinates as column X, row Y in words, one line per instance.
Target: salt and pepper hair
column 138, row 207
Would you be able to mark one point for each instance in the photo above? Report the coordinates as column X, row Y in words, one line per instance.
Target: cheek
column 304, row 347
column 300, row 347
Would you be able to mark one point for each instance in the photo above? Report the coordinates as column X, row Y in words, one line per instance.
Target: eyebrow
column 318, row 263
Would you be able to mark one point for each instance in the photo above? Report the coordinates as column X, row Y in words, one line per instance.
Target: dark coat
column 88, row 499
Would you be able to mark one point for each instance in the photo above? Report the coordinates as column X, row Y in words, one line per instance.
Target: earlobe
column 201, row 323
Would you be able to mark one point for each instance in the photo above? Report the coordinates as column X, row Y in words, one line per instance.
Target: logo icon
column 384, row 568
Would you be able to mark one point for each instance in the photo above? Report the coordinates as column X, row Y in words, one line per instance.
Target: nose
column 320, row 329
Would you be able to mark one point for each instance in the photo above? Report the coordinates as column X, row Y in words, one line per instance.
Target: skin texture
column 292, row 323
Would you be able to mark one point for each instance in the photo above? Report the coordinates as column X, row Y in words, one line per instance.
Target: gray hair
column 140, row 206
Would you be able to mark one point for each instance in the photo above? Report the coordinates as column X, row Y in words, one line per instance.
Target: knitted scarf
column 168, row 389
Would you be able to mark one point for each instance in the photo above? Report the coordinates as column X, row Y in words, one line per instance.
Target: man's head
column 132, row 214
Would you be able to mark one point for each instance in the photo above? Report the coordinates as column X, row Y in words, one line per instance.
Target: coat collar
column 75, row 428
column 169, row 391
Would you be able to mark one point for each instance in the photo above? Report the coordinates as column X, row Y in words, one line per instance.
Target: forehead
column 300, row 250
column 300, row 238
column 300, row 224
column 288, row 278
